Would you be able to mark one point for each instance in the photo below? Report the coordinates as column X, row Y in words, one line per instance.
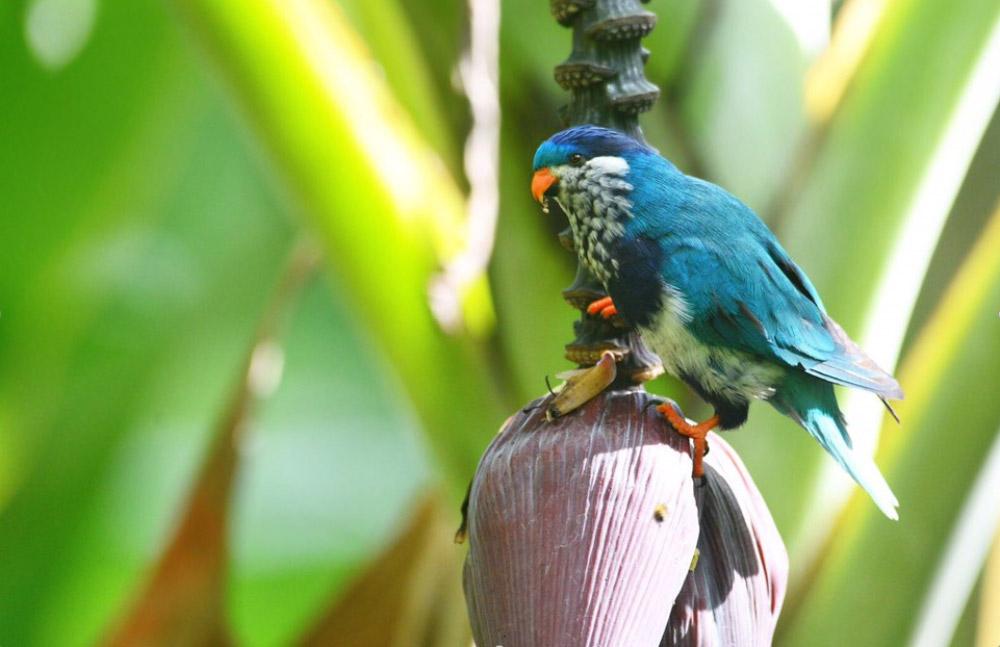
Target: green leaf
column 931, row 461
column 533, row 345
column 988, row 631
column 965, row 631
column 408, row 595
column 970, row 213
column 394, row 46
column 145, row 242
column 670, row 41
column 125, row 272
column 741, row 96
column 888, row 166
column 386, row 214
column 331, row 463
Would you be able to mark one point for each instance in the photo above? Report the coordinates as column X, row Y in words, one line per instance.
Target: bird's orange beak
column 541, row 183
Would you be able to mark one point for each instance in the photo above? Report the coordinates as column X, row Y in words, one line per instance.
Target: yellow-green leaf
column 382, row 202
column 932, row 460
column 988, row 631
column 871, row 209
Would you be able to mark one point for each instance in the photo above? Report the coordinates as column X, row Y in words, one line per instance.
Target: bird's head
column 569, row 153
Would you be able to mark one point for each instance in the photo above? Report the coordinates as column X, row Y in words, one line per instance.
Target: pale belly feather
column 732, row 374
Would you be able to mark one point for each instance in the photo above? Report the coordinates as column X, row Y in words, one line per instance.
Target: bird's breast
column 596, row 219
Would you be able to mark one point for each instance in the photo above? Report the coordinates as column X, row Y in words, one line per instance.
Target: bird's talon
column 604, row 307
column 653, row 402
column 696, row 433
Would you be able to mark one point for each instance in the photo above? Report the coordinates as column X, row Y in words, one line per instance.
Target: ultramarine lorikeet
column 711, row 290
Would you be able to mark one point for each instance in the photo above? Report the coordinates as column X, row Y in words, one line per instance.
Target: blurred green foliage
column 161, row 163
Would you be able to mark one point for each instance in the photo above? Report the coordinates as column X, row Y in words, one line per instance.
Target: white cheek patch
column 609, row 165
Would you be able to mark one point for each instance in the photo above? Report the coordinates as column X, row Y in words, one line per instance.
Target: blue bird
column 711, row 290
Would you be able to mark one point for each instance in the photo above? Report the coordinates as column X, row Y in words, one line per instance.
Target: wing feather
column 767, row 308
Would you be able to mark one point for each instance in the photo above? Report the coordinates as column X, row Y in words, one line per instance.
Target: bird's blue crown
column 588, row 141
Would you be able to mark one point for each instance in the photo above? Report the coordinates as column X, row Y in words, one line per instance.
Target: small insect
column 694, row 560
column 582, row 386
column 660, row 512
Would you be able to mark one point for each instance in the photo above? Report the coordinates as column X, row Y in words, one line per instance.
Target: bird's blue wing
column 744, row 292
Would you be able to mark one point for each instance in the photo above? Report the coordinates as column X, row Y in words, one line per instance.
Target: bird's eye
column 576, row 159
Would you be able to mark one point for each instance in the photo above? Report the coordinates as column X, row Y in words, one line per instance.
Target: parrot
column 711, row 291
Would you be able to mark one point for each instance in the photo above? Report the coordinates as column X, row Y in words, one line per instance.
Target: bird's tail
column 812, row 403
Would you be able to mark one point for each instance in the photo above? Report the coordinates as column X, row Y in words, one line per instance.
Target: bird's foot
column 696, row 432
column 605, row 307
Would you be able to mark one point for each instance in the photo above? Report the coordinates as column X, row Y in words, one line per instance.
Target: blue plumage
column 710, row 288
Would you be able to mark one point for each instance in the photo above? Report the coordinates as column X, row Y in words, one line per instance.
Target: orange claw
column 605, row 307
column 697, row 433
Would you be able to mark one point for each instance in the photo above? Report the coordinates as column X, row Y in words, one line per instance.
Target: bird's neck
column 596, row 201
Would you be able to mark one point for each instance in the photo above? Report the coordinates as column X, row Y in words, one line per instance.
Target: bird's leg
column 697, row 433
column 604, row 306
